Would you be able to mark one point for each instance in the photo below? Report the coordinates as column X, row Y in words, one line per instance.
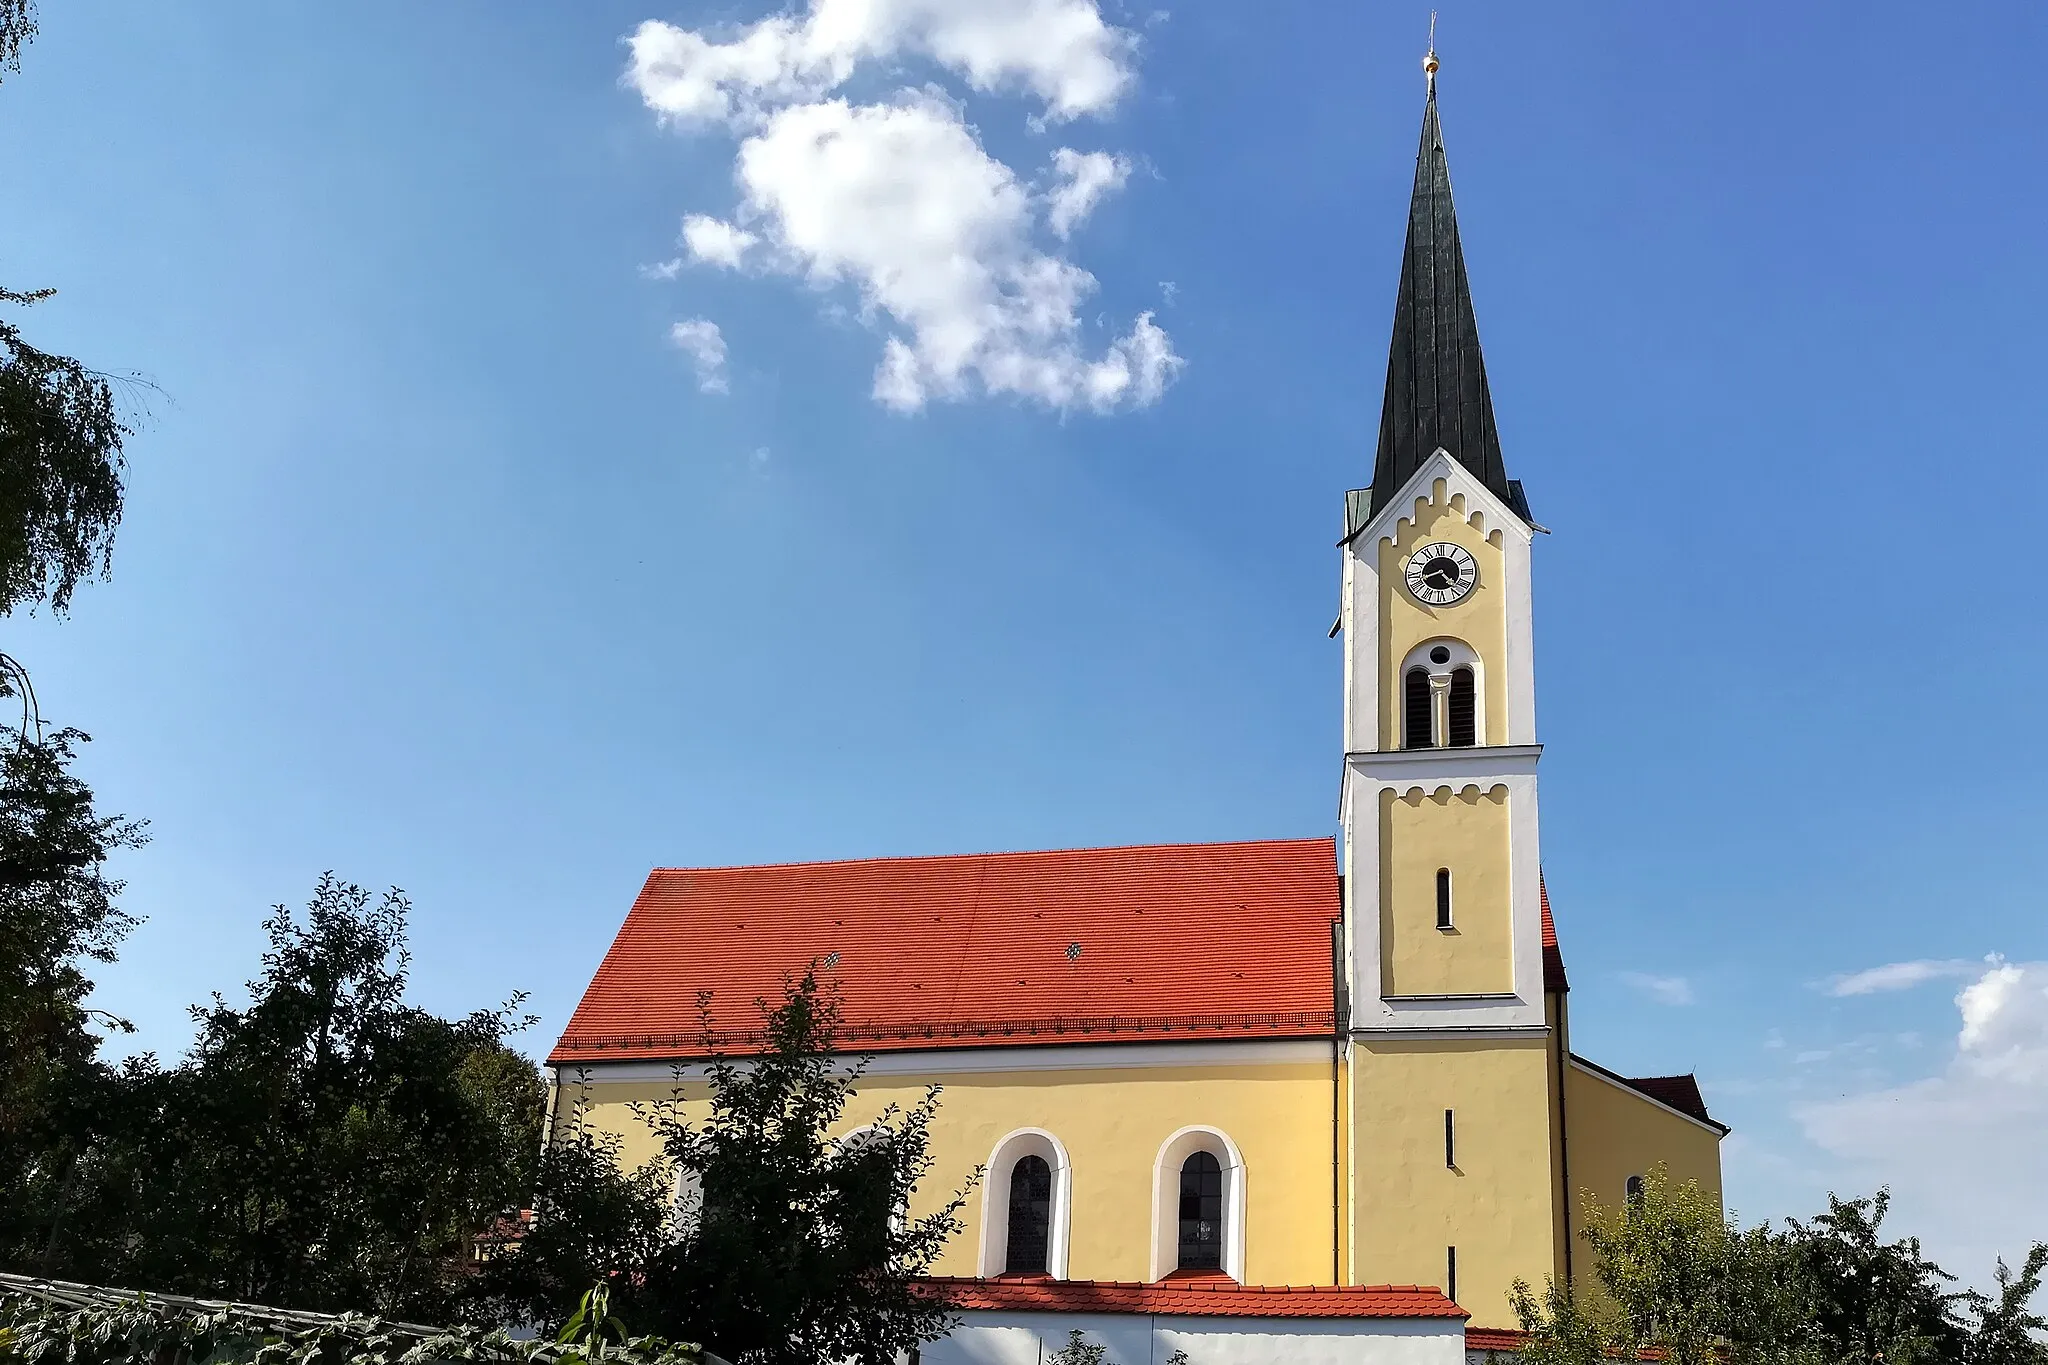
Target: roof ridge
column 1002, row 853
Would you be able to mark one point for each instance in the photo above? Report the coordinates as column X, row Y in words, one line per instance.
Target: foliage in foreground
column 329, row 1146
column 58, row 914
column 114, row 1330
column 1676, row 1277
column 787, row 1244
column 60, row 470
column 60, row 439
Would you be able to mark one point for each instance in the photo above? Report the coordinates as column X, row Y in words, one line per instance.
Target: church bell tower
column 1443, row 898
column 1450, row 1044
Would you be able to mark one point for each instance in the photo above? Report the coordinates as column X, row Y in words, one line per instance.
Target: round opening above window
column 1440, row 655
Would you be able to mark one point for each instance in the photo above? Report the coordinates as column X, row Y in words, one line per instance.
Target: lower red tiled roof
column 1494, row 1339
column 1680, row 1092
column 1076, row 945
column 1206, row 1297
column 1677, row 1092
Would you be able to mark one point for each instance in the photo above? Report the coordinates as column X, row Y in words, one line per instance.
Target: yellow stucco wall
column 1466, row 832
column 1480, row 620
column 1615, row 1133
column 1112, row 1123
column 1498, row 1207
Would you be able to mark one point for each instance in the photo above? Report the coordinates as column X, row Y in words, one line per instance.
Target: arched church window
column 1201, row 1213
column 869, row 1210
column 1415, row 710
column 1026, row 1206
column 1634, row 1190
column 1464, row 710
column 1030, row 1235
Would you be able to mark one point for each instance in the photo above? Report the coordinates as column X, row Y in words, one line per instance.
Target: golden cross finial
column 1429, row 58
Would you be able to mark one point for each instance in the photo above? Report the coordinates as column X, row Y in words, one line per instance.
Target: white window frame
column 995, row 1200
column 1173, row 1153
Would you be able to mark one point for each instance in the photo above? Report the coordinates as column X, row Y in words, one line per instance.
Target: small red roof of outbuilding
column 976, row 950
column 1209, row 1296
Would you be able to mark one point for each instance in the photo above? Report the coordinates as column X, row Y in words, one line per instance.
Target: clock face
column 1442, row 574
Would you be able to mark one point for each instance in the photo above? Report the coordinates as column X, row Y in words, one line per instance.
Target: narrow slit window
column 1416, row 710
column 1030, row 1217
column 1451, row 1274
column 1463, row 714
column 1443, row 898
column 1451, row 1139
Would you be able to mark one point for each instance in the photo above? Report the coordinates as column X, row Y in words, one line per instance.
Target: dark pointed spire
column 1436, row 380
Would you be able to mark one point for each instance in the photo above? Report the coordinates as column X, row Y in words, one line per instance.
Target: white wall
column 1141, row 1339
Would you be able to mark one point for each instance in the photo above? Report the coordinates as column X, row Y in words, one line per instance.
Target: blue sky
column 449, row 563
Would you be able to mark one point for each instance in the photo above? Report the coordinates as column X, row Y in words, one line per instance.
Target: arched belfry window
column 1417, row 711
column 1464, row 710
column 1443, row 699
column 1030, row 1234
column 1201, row 1212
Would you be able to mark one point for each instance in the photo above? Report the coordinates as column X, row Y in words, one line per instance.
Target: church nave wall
column 1112, row 1124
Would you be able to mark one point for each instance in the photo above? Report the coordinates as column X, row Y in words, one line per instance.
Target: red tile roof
column 1680, row 1092
column 1208, row 1297
column 1507, row 1339
column 1077, row 945
column 1554, row 981
column 1494, row 1339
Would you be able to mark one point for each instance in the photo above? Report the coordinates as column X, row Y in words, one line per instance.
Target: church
column 1306, row 1100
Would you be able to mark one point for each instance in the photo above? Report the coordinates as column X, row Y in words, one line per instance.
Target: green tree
column 1667, row 1265
column 17, row 26
column 2007, row 1330
column 1675, row 1276
column 1078, row 1351
column 61, row 436
column 61, row 468
column 1874, row 1300
column 58, row 915
column 328, row 1146
column 596, row 1220
column 787, row 1245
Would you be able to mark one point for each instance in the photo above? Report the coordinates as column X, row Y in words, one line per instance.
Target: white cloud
column 900, row 202
column 1899, row 976
column 662, row 270
column 700, row 339
column 715, row 241
column 1083, row 179
column 1060, row 50
column 1961, row 1149
column 943, row 246
column 1665, row 990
